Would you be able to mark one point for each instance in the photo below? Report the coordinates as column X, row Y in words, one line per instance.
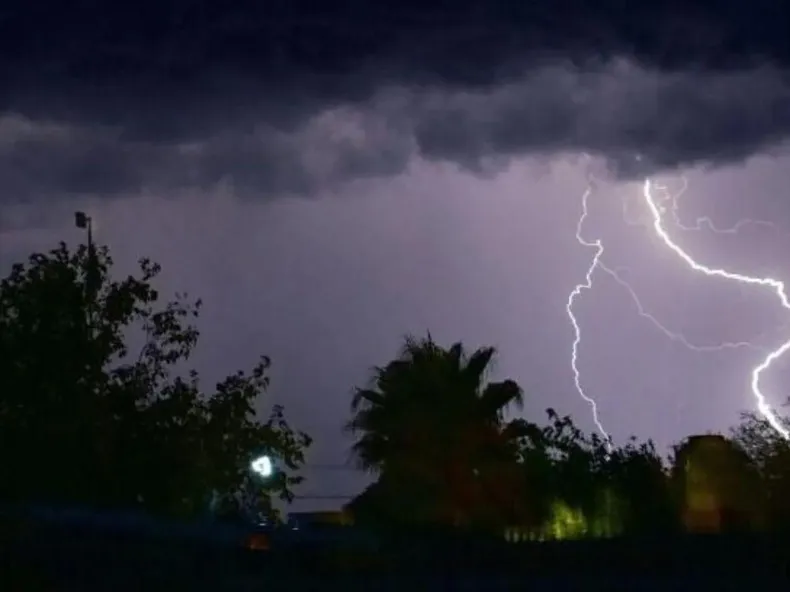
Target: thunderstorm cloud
column 276, row 99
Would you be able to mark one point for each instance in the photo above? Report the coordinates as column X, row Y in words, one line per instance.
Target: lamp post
column 262, row 469
column 83, row 221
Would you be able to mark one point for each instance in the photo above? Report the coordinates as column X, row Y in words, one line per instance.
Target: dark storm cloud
column 114, row 98
column 640, row 121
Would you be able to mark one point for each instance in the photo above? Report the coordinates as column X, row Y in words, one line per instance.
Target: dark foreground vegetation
column 99, row 409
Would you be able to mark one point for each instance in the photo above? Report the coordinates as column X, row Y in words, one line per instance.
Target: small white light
column 262, row 466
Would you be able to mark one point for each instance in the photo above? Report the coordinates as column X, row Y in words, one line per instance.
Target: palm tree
column 433, row 429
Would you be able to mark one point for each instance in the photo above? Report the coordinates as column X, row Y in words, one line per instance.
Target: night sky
column 329, row 180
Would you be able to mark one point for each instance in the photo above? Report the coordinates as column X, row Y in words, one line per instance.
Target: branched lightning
column 703, row 222
column 658, row 206
column 667, row 202
column 777, row 286
column 672, row 335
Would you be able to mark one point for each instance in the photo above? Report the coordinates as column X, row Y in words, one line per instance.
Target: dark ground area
column 52, row 560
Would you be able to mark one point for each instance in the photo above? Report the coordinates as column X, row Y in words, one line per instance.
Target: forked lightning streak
column 656, row 208
column 777, row 286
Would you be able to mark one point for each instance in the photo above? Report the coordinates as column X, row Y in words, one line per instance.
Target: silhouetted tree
column 770, row 453
column 434, row 431
column 640, row 480
column 580, row 487
column 85, row 419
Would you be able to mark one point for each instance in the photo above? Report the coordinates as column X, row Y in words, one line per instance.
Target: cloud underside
column 263, row 144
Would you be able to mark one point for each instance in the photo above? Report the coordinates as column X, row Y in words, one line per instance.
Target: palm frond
column 478, row 364
column 365, row 397
column 498, row 396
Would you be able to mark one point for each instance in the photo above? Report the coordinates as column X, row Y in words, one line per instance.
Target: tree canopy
column 434, row 431
column 611, row 490
column 98, row 405
column 770, row 454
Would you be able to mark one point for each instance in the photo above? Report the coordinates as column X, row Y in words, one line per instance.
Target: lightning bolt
column 777, row 286
column 597, row 245
column 657, row 209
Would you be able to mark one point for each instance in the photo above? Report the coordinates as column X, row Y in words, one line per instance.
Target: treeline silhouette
column 99, row 408
column 435, row 434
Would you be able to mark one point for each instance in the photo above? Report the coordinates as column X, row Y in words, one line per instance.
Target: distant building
column 719, row 488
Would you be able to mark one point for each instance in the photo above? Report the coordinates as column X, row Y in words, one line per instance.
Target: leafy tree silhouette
column 434, row 432
column 770, row 454
column 86, row 420
column 624, row 490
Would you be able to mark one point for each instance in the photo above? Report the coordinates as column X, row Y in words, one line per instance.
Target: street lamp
column 262, row 466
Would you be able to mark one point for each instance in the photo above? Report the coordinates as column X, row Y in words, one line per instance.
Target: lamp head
column 262, row 466
column 81, row 219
